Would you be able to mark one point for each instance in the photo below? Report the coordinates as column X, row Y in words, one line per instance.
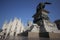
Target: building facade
column 13, row 28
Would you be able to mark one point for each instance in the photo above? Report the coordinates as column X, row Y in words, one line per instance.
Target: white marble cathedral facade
column 13, row 28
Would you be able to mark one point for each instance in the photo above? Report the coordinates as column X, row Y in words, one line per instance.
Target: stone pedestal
column 33, row 36
column 54, row 35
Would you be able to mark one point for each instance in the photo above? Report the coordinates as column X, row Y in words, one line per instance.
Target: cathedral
column 13, row 28
column 41, row 27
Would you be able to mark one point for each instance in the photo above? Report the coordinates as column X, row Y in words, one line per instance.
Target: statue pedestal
column 33, row 35
column 54, row 35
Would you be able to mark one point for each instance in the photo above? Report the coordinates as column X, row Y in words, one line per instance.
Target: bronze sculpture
column 42, row 5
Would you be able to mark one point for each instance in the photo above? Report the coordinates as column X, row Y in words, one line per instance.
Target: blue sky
column 24, row 9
